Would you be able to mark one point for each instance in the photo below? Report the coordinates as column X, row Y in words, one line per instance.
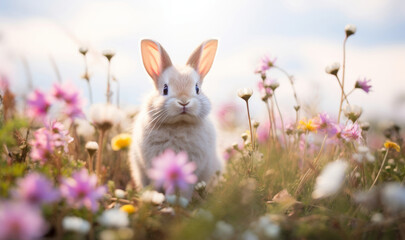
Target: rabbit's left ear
column 203, row 57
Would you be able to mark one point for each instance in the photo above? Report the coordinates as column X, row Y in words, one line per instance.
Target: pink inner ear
column 153, row 60
column 207, row 57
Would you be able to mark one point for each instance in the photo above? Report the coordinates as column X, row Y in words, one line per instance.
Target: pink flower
column 60, row 136
column 172, row 171
column 326, row 125
column 42, row 145
column 264, row 88
column 68, row 93
column 46, row 140
column 363, row 85
column 352, row 132
column 35, row 189
column 19, row 220
column 265, row 64
column 81, row 190
column 38, row 104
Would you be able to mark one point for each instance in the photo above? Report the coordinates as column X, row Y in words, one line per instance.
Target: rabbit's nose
column 183, row 104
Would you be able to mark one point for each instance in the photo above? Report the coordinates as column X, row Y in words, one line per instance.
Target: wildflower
column 104, row 116
column 333, row 69
column 152, row 197
column 42, row 146
column 352, row 112
column 352, row 132
column 83, row 50
column 363, row 85
column 60, row 136
column 223, row 230
column 19, row 220
column 307, row 126
column 91, row 147
column 265, row 90
column 35, row 189
column 109, row 54
column 121, row 141
column 393, row 145
column 114, row 218
column 274, row 85
column 38, row 104
column 350, row 29
column 363, row 153
column 119, row 193
column 81, row 190
column 256, row 124
column 245, row 93
column 172, row 171
column 76, row 224
column 68, row 93
column 377, row 218
column 265, row 64
column 393, row 197
column 330, row 180
column 266, row 227
column 175, row 200
column 325, row 125
column 128, row 208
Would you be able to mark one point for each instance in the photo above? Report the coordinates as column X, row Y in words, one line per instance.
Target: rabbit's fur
column 178, row 120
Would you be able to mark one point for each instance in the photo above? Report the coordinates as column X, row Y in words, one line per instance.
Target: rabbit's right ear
column 155, row 58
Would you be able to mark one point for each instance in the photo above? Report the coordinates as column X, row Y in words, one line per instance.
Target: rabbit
column 175, row 115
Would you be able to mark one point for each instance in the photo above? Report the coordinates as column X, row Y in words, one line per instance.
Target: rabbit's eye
column 197, row 89
column 165, row 89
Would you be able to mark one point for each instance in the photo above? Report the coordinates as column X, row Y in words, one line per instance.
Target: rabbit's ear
column 155, row 58
column 203, row 57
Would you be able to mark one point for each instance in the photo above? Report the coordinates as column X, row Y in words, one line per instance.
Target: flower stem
column 379, row 171
column 341, row 87
column 291, row 82
column 108, row 93
column 281, row 119
column 343, row 78
column 270, row 120
column 100, row 154
column 250, row 123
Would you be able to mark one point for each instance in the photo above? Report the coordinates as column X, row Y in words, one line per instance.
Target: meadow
column 64, row 172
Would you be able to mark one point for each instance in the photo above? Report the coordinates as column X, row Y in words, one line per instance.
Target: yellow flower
column 389, row 144
column 128, row 208
column 309, row 125
column 121, row 141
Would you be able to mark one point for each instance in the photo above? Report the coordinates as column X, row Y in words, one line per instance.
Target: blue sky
column 305, row 36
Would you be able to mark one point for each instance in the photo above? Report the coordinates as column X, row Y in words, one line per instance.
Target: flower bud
column 350, row 29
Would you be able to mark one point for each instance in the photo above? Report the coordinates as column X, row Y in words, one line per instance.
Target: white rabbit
column 174, row 116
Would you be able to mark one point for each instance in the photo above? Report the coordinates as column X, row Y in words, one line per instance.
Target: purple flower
column 264, row 88
column 19, row 220
column 38, row 104
column 172, row 171
column 68, row 93
column 81, row 190
column 60, row 136
column 42, row 145
column 47, row 139
column 265, row 64
column 363, row 85
column 352, row 132
column 35, row 189
column 326, row 125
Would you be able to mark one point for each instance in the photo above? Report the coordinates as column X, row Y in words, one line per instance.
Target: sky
column 304, row 35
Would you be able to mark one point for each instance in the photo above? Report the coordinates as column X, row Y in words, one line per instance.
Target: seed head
column 350, row 29
column 245, row 93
